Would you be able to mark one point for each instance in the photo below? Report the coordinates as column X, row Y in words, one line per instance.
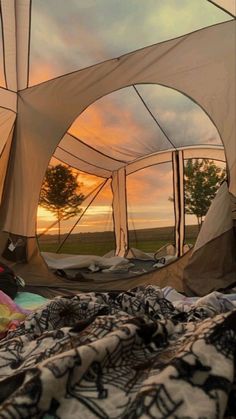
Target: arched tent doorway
column 136, row 130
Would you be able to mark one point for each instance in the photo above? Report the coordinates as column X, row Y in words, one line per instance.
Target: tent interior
column 128, row 308
column 125, row 113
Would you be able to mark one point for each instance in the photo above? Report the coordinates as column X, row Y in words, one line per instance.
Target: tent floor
column 169, row 275
column 84, row 274
column 83, row 280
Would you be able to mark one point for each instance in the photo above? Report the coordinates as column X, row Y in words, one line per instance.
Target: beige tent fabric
column 218, row 219
column 213, row 262
column 7, row 119
column 9, row 37
column 157, row 158
column 212, row 267
column 8, row 99
column 86, row 153
column 79, row 164
column 204, row 152
column 216, row 153
column 22, row 34
column 4, row 163
column 16, row 19
column 200, row 64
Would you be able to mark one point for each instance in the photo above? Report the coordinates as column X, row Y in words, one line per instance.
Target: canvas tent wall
column 201, row 65
column 213, row 260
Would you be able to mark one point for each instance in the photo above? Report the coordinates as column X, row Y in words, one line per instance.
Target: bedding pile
column 145, row 353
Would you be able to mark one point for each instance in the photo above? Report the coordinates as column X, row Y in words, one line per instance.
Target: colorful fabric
column 29, row 300
column 130, row 355
column 11, row 315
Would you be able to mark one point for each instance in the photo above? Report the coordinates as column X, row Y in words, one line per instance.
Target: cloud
column 76, row 34
column 120, row 126
column 150, row 187
column 41, row 73
column 177, row 17
column 183, row 120
column 191, row 127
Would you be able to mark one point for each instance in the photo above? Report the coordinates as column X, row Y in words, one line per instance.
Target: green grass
column 99, row 243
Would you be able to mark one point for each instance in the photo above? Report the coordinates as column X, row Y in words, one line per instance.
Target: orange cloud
column 152, row 185
column 112, row 128
column 41, row 73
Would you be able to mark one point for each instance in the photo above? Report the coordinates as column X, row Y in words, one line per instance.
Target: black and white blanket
column 131, row 355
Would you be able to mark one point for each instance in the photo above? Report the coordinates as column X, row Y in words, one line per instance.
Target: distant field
column 148, row 240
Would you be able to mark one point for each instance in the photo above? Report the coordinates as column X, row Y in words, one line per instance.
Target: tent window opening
column 90, row 230
column 151, row 218
column 202, row 179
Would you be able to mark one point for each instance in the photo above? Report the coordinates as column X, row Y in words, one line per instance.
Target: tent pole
column 119, row 205
column 178, row 188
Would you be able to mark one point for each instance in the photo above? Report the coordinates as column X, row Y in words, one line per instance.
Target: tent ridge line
column 186, row 147
column 29, row 43
column 153, row 117
column 92, row 148
column 89, row 173
column 8, row 109
column 8, row 90
column 222, row 8
column 79, row 158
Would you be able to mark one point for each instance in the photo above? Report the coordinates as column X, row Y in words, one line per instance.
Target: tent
column 36, row 118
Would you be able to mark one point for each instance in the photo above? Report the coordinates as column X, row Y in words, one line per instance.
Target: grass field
column 148, row 240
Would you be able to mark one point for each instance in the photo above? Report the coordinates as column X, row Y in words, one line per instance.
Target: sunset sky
column 70, row 35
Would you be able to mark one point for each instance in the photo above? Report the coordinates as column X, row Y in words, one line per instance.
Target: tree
column 60, row 194
column 202, row 180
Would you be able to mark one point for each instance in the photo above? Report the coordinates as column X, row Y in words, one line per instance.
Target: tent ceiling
column 122, row 128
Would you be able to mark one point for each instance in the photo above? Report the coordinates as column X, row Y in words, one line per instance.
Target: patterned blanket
column 130, row 355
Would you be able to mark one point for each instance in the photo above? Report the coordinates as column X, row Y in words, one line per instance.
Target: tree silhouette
column 202, row 180
column 60, row 194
